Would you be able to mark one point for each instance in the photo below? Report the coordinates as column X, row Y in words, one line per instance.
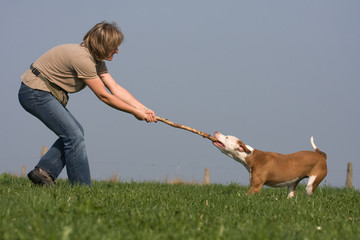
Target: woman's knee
column 74, row 137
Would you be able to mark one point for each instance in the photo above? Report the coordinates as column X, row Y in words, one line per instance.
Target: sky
column 272, row 73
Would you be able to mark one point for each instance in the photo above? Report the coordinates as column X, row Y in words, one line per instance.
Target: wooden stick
column 205, row 135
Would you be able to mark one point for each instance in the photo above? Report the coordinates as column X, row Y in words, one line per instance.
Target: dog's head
column 232, row 147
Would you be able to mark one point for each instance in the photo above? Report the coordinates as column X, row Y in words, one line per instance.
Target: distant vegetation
column 151, row 210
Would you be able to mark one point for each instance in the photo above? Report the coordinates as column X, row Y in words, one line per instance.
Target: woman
column 68, row 69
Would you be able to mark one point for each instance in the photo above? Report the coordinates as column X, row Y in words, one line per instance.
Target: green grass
column 152, row 210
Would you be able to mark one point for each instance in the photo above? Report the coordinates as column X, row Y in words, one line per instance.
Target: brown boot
column 40, row 177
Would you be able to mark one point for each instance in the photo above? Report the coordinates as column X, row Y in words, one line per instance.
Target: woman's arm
column 120, row 92
column 126, row 104
column 125, row 95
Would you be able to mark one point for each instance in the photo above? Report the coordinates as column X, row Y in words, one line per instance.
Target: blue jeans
column 69, row 150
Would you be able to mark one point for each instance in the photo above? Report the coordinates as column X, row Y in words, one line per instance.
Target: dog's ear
column 243, row 148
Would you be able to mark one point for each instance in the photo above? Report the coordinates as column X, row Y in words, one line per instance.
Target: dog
column 275, row 169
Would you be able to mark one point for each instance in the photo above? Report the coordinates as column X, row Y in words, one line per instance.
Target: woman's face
column 109, row 57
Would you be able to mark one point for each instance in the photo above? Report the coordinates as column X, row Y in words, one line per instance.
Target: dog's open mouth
column 219, row 144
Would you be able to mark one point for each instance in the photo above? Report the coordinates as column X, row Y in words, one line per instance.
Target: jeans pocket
column 30, row 98
column 24, row 89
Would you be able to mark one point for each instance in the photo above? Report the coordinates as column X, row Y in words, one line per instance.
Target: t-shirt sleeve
column 84, row 68
column 101, row 68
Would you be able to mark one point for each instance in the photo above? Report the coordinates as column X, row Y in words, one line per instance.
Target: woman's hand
column 145, row 114
column 151, row 117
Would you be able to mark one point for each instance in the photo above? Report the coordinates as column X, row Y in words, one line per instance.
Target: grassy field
column 149, row 210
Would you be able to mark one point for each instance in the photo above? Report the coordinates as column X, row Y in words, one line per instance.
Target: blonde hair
column 103, row 38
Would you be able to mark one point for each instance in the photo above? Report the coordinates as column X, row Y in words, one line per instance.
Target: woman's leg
column 69, row 150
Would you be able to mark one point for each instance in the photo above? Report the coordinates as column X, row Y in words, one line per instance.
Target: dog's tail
column 316, row 149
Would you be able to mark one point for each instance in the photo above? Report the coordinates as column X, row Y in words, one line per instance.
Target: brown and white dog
column 275, row 169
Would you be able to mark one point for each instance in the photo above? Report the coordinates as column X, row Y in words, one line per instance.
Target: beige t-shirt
column 65, row 65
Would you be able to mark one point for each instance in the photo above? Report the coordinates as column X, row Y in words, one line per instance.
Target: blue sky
column 272, row 73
